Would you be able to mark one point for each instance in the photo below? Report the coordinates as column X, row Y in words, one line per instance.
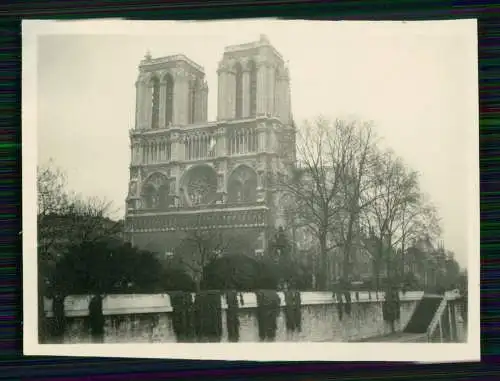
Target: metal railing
column 437, row 320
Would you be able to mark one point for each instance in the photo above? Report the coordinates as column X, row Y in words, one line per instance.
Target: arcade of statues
column 190, row 173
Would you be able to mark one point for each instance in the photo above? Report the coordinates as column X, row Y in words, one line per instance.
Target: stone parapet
column 77, row 306
column 149, row 318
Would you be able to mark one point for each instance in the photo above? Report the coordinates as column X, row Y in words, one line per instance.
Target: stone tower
column 187, row 173
column 253, row 82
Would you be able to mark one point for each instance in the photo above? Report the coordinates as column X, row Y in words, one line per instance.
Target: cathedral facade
column 188, row 173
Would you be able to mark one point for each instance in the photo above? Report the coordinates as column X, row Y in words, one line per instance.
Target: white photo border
column 414, row 352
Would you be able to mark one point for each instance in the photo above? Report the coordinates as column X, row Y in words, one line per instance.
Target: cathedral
column 188, row 173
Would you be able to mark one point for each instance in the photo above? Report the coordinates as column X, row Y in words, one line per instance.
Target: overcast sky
column 416, row 81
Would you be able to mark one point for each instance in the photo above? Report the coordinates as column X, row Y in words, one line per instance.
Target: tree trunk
column 346, row 264
column 323, row 268
column 197, row 284
column 346, row 268
column 376, row 273
column 403, row 248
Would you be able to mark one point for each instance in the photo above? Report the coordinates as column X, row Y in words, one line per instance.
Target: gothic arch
column 148, row 196
column 252, row 68
column 198, row 146
column 199, row 185
column 242, row 185
column 238, row 74
column 168, row 81
column 155, row 191
column 193, row 93
column 155, row 100
column 277, row 91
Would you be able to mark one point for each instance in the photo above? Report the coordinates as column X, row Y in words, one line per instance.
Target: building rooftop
column 263, row 41
column 149, row 61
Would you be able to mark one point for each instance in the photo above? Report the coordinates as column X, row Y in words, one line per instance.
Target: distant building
column 190, row 173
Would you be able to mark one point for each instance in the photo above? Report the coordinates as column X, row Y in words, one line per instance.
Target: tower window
column 239, row 91
column 253, row 88
column 155, row 110
column 169, row 107
column 192, row 101
column 277, row 91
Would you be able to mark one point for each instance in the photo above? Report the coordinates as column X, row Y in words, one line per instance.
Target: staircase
column 433, row 321
column 424, row 314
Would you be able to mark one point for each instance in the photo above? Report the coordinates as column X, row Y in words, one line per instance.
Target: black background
column 13, row 366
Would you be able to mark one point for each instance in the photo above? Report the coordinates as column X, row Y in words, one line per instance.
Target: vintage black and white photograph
column 250, row 182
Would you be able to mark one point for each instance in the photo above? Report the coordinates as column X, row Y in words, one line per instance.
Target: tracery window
column 201, row 186
column 200, row 146
column 243, row 141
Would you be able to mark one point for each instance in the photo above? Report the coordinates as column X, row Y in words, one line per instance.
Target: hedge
column 96, row 319
column 182, row 315
column 57, row 324
column 208, row 316
column 232, row 318
column 268, row 307
column 293, row 314
column 391, row 311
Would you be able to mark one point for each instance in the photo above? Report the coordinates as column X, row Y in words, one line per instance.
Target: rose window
column 201, row 186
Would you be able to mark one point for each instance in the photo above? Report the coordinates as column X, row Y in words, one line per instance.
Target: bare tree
column 361, row 155
column 395, row 191
column 331, row 186
column 418, row 220
column 65, row 219
column 315, row 185
column 344, row 186
column 200, row 247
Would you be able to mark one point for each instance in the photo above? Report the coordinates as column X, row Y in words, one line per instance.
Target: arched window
column 164, row 199
column 149, row 197
column 277, row 91
column 253, row 88
column 192, row 101
column 200, row 186
column 155, row 192
column 242, row 186
column 239, row 90
column 155, row 109
column 169, row 107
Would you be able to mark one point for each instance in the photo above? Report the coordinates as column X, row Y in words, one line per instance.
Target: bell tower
column 253, row 82
column 187, row 173
column 171, row 91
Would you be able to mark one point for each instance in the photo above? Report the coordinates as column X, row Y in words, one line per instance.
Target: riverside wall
column 149, row 318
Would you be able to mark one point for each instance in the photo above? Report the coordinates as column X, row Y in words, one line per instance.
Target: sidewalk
column 397, row 337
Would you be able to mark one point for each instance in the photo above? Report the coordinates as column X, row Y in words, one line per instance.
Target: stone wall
column 148, row 318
